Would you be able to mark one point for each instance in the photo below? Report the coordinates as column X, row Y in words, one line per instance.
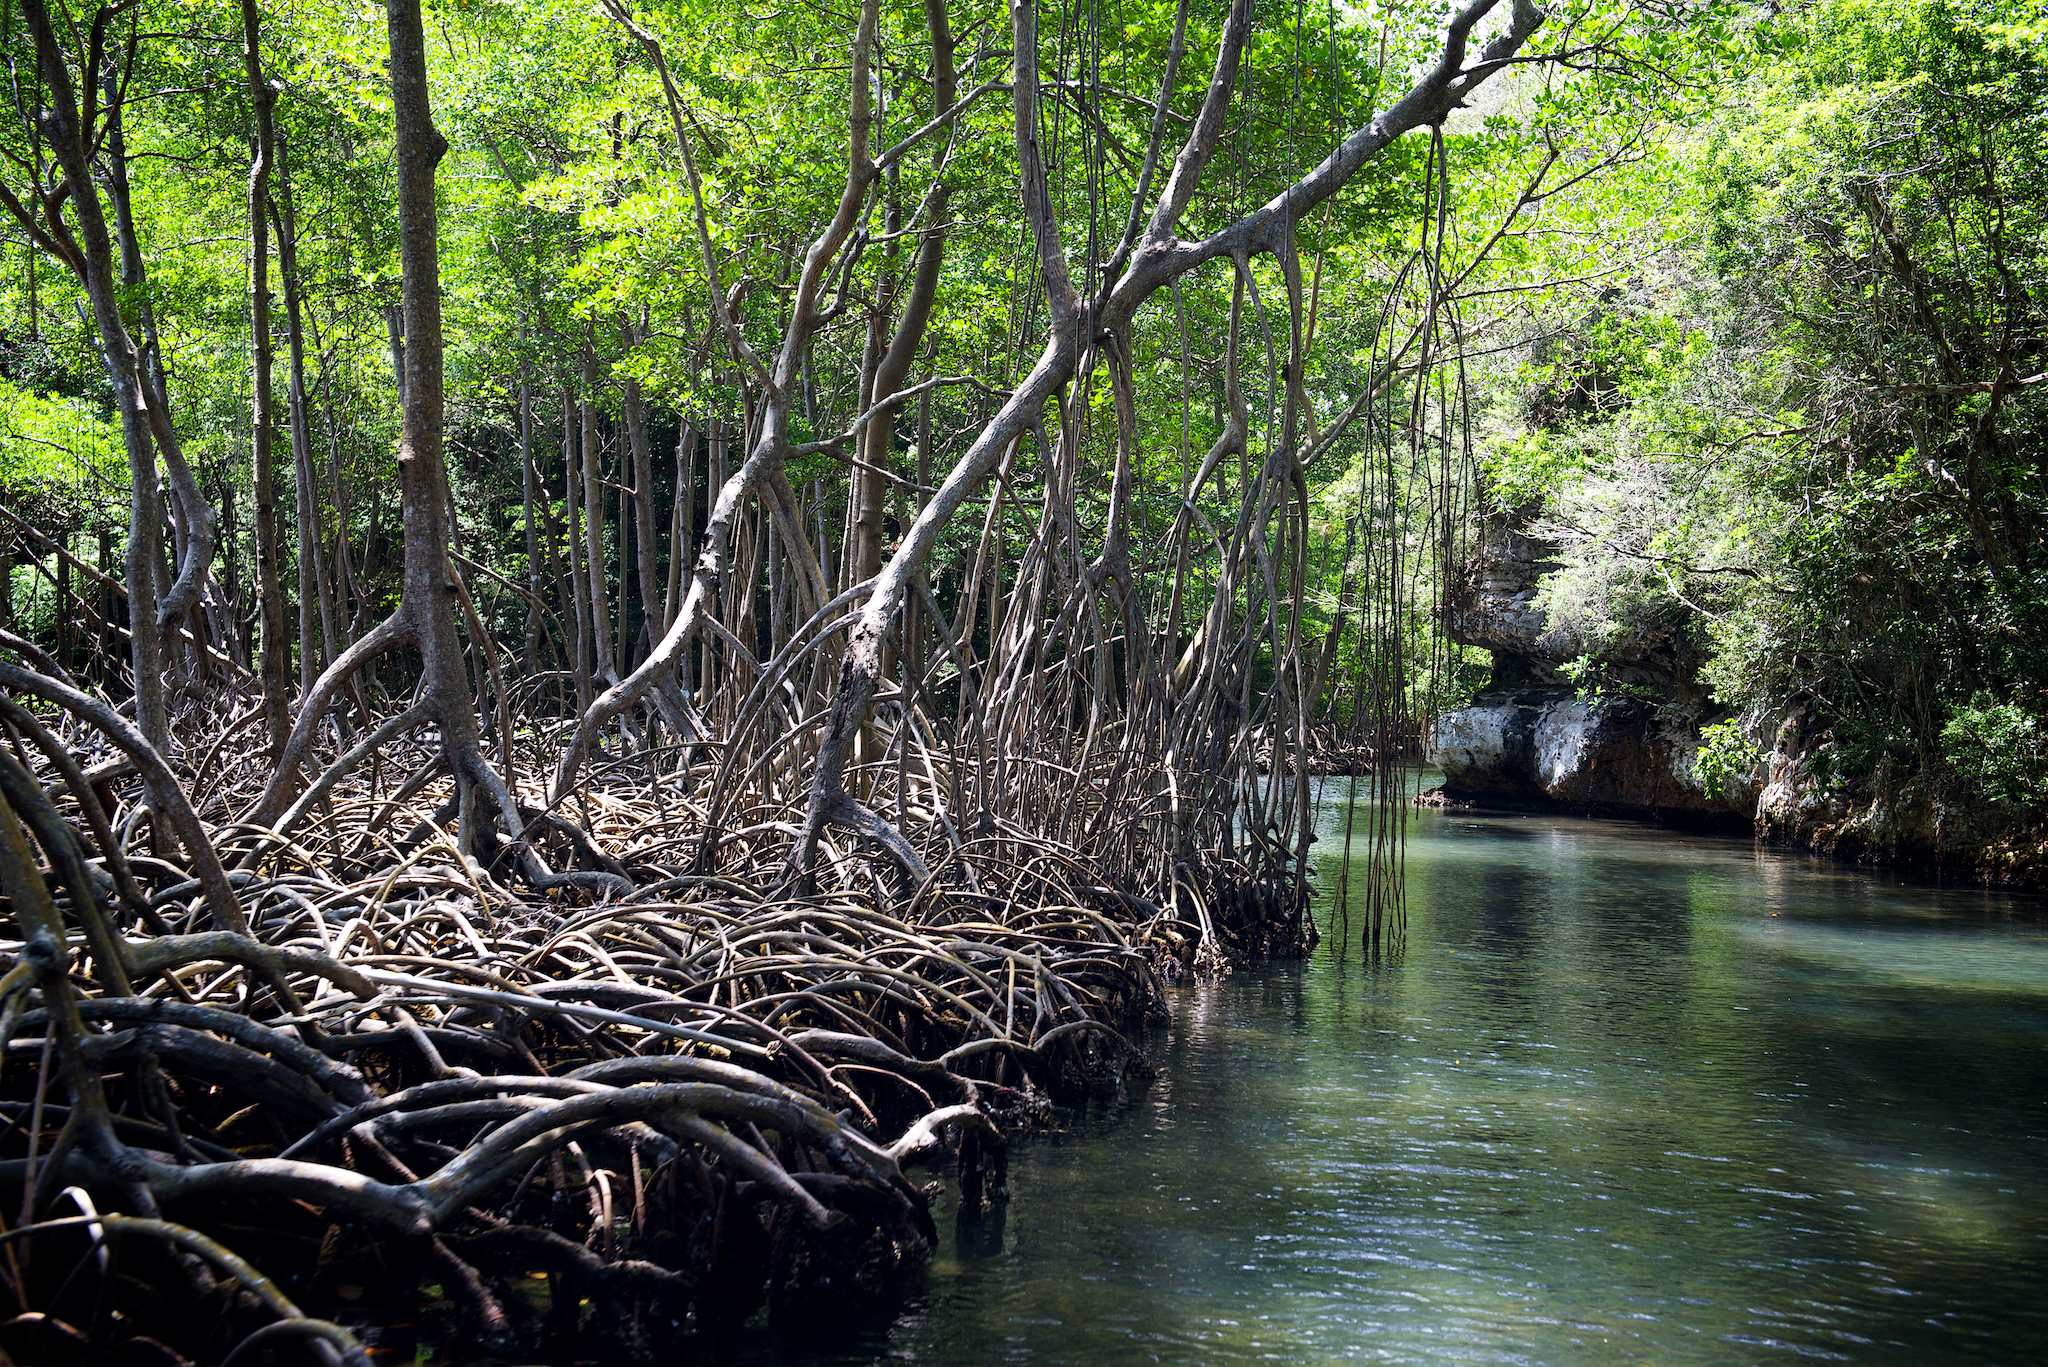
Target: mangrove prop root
column 384, row 1077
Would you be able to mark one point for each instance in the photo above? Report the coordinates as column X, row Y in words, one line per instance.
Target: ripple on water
column 1625, row 1097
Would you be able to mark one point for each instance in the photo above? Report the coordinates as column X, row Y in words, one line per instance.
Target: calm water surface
column 1626, row 1096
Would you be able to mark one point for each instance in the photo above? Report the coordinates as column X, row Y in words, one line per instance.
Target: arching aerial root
column 403, row 1100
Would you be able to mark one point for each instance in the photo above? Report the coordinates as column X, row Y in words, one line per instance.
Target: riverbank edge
column 1862, row 839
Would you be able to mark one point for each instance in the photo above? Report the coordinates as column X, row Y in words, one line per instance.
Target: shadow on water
column 1621, row 1096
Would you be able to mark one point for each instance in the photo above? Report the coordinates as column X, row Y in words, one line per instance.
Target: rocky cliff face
column 1553, row 747
column 1532, row 738
column 1497, row 609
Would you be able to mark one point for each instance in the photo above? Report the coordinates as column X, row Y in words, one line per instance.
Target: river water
column 1624, row 1096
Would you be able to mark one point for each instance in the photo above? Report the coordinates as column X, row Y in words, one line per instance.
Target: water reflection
column 1626, row 1096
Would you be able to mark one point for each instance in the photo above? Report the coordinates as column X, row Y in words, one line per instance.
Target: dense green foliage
column 1809, row 436
column 567, row 231
column 1772, row 280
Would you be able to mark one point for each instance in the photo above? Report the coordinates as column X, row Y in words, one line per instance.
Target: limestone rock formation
column 1549, row 745
column 1532, row 737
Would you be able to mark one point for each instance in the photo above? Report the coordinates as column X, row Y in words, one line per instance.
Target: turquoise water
column 1625, row 1096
